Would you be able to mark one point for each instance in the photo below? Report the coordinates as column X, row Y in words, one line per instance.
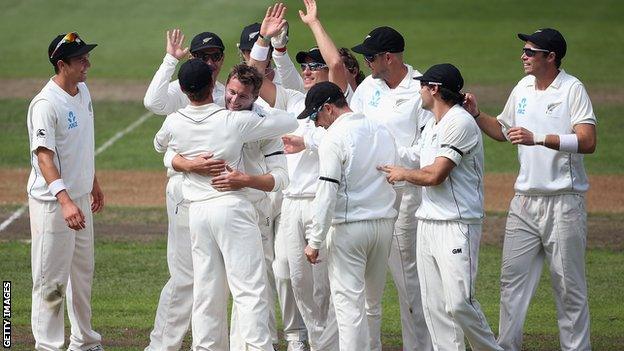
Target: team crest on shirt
column 375, row 99
column 522, row 106
column 551, row 107
column 41, row 133
column 71, row 118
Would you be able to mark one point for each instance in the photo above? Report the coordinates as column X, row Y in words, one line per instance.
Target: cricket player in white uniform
column 174, row 308
column 295, row 331
column 163, row 96
column 550, row 117
column 391, row 96
column 310, row 284
column 226, row 240
column 355, row 204
column 450, row 215
column 63, row 192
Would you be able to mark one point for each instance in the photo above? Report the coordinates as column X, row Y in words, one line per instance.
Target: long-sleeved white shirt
column 350, row 188
column 194, row 130
column 164, row 97
column 399, row 109
column 287, row 72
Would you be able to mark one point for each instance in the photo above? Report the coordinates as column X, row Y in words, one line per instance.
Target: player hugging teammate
column 304, row 189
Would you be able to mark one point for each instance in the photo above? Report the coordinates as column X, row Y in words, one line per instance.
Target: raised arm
column 164, row 97
column 272, row 24
column 329, row 51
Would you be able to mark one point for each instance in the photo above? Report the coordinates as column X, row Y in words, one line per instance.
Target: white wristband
column 568, row 143
column 56, row 186
column 259, row 53
column 539, row 139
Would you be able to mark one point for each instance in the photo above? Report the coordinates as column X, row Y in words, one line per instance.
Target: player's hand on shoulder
column 175, row 38
column 470, row 104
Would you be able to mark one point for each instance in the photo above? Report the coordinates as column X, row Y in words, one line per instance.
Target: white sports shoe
column 297, row 346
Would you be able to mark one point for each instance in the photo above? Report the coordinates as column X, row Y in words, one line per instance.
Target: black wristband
column 477, row 115
column 266, row 39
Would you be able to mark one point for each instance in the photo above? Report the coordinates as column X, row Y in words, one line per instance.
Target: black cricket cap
column 547, row 39
column 248, row 36
column 313, row 54
column 194, row 75
column 445, row 74
column 72, row 46
column 206, row 40
column 381, row 39
column 319, row 95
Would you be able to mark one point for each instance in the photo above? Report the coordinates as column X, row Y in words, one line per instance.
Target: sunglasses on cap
column 314, row 116
column 371, row 58
column 313, row 66
column 430, row 84
column 530, row 52
column 68, row 38
column 212, row 56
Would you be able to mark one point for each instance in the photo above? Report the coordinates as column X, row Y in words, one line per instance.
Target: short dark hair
column 56, row 69
column 201, row 94
column 247, row 75
column 340, row 102
column 352, row 64
column 451, row 97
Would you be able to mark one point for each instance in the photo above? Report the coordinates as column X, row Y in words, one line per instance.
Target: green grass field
column 129, row 276
column 478, row 36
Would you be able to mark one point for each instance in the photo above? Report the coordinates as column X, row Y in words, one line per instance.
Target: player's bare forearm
column 45, row 159
column 264, row 182
column 329, row 51
column 425, row 176
column 490, row 126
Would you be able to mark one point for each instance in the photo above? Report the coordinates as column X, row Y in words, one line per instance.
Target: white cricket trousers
column 62, row 266
column 404, row 271
column 227, row 251
column 173, row 314
column 265, row 224
column 294, row 327
column 357, row 255
column 310, row 283
column 552, row 228
column 448, row 253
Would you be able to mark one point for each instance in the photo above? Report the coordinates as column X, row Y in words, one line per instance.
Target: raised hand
column 281, row 40
column 310, row 16
column 175, row 38
column 273, row 21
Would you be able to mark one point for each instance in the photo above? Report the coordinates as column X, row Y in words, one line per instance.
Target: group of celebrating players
column 301, row 190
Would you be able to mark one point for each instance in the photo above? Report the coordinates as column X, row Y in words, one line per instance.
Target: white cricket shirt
column 556, row 110
column 302, row 166
column 350, row 188
column 194, row 130
column 64, row 124
column 460, row 197
column 164, row 97
column 399, row 109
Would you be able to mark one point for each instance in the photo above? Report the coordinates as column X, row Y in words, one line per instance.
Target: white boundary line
column 17, row 214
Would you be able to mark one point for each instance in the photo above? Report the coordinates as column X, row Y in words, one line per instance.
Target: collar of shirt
column 555, row 83
column 407, row 81
column 199, row 113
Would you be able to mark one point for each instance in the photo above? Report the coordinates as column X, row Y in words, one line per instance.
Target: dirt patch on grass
column 134, row 90
column 137, row 213
column 147, row 188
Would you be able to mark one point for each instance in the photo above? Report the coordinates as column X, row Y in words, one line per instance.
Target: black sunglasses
column 371, row 58
column 205, row 56
column 314, row 116
column 313, row 66
column 530, row 52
